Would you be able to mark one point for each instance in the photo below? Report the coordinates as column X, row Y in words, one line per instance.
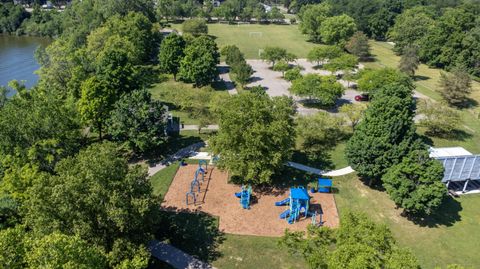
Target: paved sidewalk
column 340, row 172
column 175, row 257
column 183, row 153
column 195, row 127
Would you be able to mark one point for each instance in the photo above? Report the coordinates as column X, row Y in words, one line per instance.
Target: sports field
column 250, row 38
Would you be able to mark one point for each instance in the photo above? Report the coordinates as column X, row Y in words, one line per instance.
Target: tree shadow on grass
column 196, row 233
column 420, row 78
column 446, row 215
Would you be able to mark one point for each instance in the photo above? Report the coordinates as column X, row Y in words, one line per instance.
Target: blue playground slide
column 294, row 216
column 283, row 202
column 238, row 194
column 285, row 214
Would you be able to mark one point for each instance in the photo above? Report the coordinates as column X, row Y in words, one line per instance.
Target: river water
column 17, row 59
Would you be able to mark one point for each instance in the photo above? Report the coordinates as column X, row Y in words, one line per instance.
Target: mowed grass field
column 250, row 38
column 447, row 238
column 427, row 81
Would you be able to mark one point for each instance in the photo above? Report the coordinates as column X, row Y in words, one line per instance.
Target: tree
column 195, row 27
column 95, row 195
column 346, row 62
column 354, row 113
column 312, row 18
column 96, row 102
column 256, row 136
column 357, row 243
column 171, row 54
column 13, row 247
column 281, row 66
column 138, row 121
column 319, row 133
column 325, row 89
column 455, row 87
column 358, row 45
column 385, row 134
column 372, row 80
column 414, row 184
column 62, row 251
column 439, row 119
column 232, row 55
column 200, row 62
column 409, row 61
column 323, row 53
column 292, row 74
column 242, row 72
column 410, row 27
column 273, row 54
column 337, row 30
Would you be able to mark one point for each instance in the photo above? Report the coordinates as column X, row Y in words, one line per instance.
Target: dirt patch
column 217, row 197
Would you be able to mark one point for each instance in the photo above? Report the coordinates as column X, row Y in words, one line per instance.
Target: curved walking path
column 183, row 153
column 175, row 257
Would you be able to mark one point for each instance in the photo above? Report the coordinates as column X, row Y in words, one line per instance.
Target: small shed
column 324, row 185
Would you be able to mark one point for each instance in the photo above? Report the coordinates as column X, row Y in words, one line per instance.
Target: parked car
column 362, row 97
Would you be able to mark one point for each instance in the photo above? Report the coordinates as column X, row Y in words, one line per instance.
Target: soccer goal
column 255, row 34
column 260, row 52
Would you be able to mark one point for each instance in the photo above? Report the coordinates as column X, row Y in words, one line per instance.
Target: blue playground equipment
column 195, row 184
column 244, row 196
column 298, row 202
column 324, row 185
column 202, row 164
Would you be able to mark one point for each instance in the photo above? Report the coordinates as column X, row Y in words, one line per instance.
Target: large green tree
column 415, row 183
column 171, row 54
column 373, row 79
column 439, row 119
column 337, row 30
column 256, row 136
column 96, row 102
column 273, row 54
column 325, row 90
column 321, row 54
column 199, row 66
column 357, row 243
column 62, row 251
column 138, row 121
column 410, row 27
column 311, row 19
column 97, row 196
column 195, row 27
column 386, row 133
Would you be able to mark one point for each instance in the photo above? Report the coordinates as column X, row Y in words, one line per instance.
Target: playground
column 217, row 197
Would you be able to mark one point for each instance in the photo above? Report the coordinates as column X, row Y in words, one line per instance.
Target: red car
column 362, row 97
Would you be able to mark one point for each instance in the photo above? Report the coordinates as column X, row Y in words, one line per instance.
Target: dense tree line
column 386, row 150
column 67, row 198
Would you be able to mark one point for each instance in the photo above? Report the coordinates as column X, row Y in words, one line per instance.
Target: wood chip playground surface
column 217, row 197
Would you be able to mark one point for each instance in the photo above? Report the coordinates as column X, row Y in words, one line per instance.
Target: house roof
column 461, row 168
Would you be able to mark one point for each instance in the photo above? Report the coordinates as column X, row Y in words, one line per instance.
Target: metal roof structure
column 448, row 152
column 461, row 168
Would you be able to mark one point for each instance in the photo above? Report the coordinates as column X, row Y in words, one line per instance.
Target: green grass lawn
column 162, row 179
column 245, row 38
column 427, row 81
column 239, row 251
column 447, row 238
